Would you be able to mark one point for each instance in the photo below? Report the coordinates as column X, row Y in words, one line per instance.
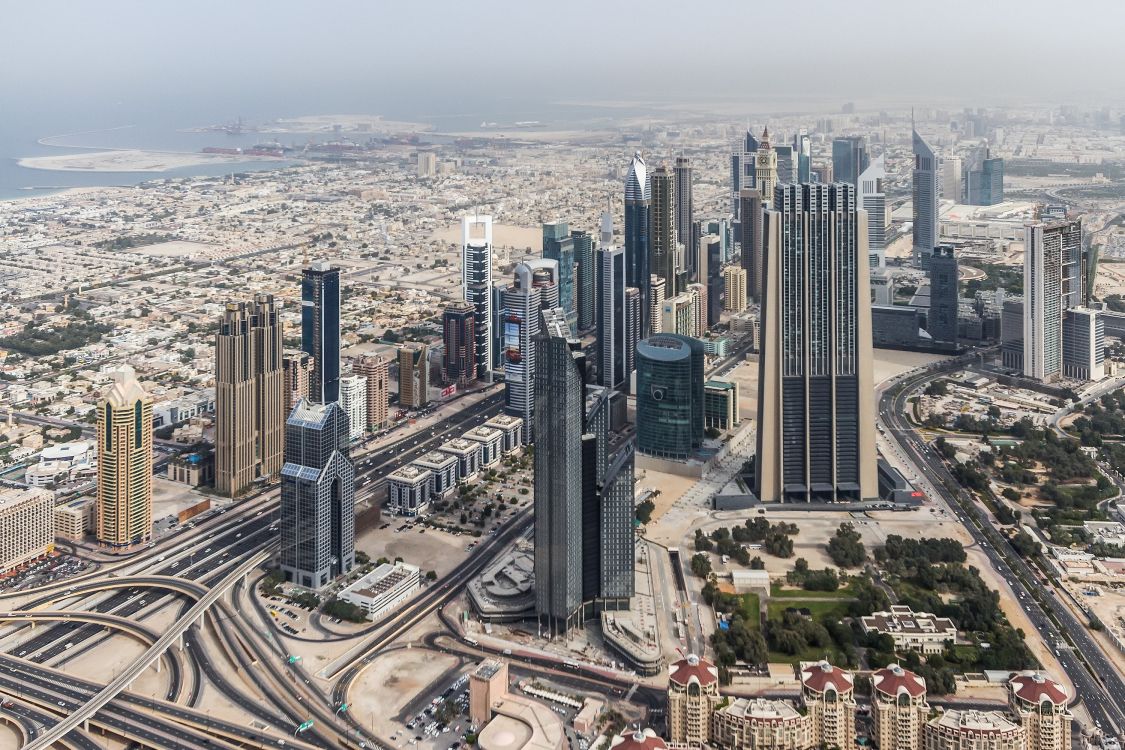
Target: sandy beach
column 129, row 160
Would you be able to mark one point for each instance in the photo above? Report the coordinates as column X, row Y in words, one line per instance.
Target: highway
column 1097, row 682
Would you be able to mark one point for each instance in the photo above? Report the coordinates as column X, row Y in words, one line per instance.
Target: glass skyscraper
column 849, row 159
column 941, row 321
column 476, row 286
column 586, row 272
column 612, row 322
column 558, row 246
column 320, row 329
column 670, row 396
column 927, row 191
column 638, row 207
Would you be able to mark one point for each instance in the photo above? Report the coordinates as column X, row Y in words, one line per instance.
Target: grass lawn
column 750, row 610
column 812, row 653
column 819, row 609
column 844, row 592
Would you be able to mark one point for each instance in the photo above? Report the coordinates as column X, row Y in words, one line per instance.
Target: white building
column 59, row 463
column 27, row 527
column 912, row 631
column 383, row 589
column 872, row 199
column 443, row 473
column 1083, row 344
column 353, row 400
column 512, row 429
column 491, row 444
column 408, row 491
column 467, row 453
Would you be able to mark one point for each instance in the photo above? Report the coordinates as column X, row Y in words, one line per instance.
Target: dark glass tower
column 612, row 336
column 638, row 207
column 320, row 329
column 558, row 246
column 669, row 396
column 317, row 513
column 941, row 321
column 586, row 274
column 685, row 217
column 849, row 159
column 459, row 361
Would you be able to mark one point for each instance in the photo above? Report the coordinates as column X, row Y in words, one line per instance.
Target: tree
column 845, row 548
column 644, row 511
column 700, row 565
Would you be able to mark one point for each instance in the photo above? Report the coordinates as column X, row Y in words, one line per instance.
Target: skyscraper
column 670, row 396
column 320, row 329
column 124, row 509
column 984, row 182
column 583, row 496
column 413, row 375
column 816, row 410
column 612, row 323
column 656, row 312
column 786, row 163
column 927, row 187
column 638, row 208
column 296, row 369
column 802, row 150
column 476, row 286
column 873, row 200
column 662, row 234
column 459, row 361
column 734, row 280
column 941, row 322
column 752, row 248
column 711, row 276
column 632, row 329
column 317, row 513
column 249, row 400
column 951, row 179
column 849, row 159
column 1054, row 279
column 558, row 246
column 1083, row 344
column 765, row 167
column 353, row 401
column 375, row 368
column 534, row 288
column 685, row 215
column 585, row 260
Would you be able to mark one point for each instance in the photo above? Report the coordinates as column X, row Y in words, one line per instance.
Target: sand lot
column 503, row 235
column 434, row 550
column 180, row 249
column 391, row 682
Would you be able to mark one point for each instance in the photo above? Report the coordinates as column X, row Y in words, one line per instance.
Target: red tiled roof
column 1035, row 687
column 702, row 670
column 893, row 679
column 638, row 740
column 822, row 676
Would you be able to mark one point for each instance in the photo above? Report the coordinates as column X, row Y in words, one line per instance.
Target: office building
column 638, row 210
column 734, row 289
column 73, row 521
column 984, row 183
column 511, row 428
column 534, row 288
column 27, row 526
column 381, row 591
column 720, row 404
column 802, row 151
column 828, row 694
column 898, row 708
column 632, row 329
column 441, row 470
column 249, row 395
column 656, row 314
column 678, row 315
column 459, row 360
column 1043, row 299
column 468, row 455
column 316, row 518
column 969, row 729
column 751, row 239
column 1040, row 705
column 941, row 321
column 376, row 370
column 353, row 400
column 685, row 216
column 320, row 329
column 693, row 697
column 816, row 410
column 699, row 305
column 897, row 327
column 786, row 163
column 413, row 375
column 427, row 164
column 670, row 396
column 662, row 232
column 124, row 511
column 1067, row 235
column 583, row 508
column 296, row 374
column 558, row 246
column 491, row 442
column 951, row 179
column 849, row 159
column 585, row 274
column 1011, row 334
column 873, row 199
column 612, row 323
column 926, row 181
column 1083, row 344
column 476, row 287
column 711, row 276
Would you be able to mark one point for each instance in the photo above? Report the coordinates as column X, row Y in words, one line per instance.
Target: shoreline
column 109, row 161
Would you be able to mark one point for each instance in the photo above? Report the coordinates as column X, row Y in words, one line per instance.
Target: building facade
column 586, row 272
column 849, row 159
column 296, row 373
column 926, row 182
column 612, row 323
column 353, row 400
column 945, row 295
column 638, row 210
column 459, row 361
column 1040, row 705
column 734, row 289
column 320, row 329
column 376, row 370
column 1083, row 344
column 751, row 241
column 873, row 200
column 124, row 512
column 476, row 286
column 828, row 694
column 413, row 375
column 558, row 246
column 534, row 289
column 898, row 708
column 693, row 696
column 663, row 254
column 955, row 729
column 761, row 724
column 27, row 526
column 670, row 396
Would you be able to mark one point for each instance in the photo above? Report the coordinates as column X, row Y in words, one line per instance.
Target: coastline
column 131, row 160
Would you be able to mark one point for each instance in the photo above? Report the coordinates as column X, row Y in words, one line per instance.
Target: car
column 62, row 704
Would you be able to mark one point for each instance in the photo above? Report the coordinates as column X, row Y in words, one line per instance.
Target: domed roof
column 1036, row 687
column 893, row 680
column 820, row 677
column 691, row 668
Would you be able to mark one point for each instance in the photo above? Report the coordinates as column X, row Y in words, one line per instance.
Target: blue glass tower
column 558, row 246
column 669, row 396
column 638, row 206
column 320, row 330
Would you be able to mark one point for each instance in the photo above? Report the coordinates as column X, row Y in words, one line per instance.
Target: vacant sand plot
column 391, row 682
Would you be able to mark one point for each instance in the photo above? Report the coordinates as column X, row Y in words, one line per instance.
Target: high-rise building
column 678, row 315
column 638, row 210
column 1045, row 253
column 1083, row 344
column 699, row 304
column 926, row 180
column 320, row 329
column 685, row 216
column 816, row 411
column 734, row 294
column 802, row 150
column 873, row 199
column 583, row 504
column 427, row 164
column 669, row 396
column 612, row 323
column 898, row 708
column 751, row 239
column 459, row 361
column 849, row 159
column 249, row 400
column 828, row 694
column 558, row 245
column 296, row 373
column 662, row 234
column 656, row 314
column 1075, row 282
column 413, row 375
column 353, row 400
column 693, row 696
column 375, row 369
column 124, row 510
column 951, row 179
column 984, row 185
column 786, row 163
column 765, row 167
column 1011, row 334
column 586, row 273
column 969, row 729
column 476, row 287
column 27, row 526
column 632, row 329
column 1040, row 704
column 711, row 276
column 941, row 321
column 316, row 517
column 534, row 288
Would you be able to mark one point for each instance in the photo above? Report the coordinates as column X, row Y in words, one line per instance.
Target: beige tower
column 124, row 510
column 413, row 375
column 734, row 289
column 656, row 291
column 816, row 406
column 828, row 693
column 1040, row 704
column 376, row 368
column 249, row 395
column 765, row 168
column 296, row 368
column 693, row 695
column 898, row 708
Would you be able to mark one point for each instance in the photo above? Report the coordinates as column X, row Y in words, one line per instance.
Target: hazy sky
column 339, row 53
